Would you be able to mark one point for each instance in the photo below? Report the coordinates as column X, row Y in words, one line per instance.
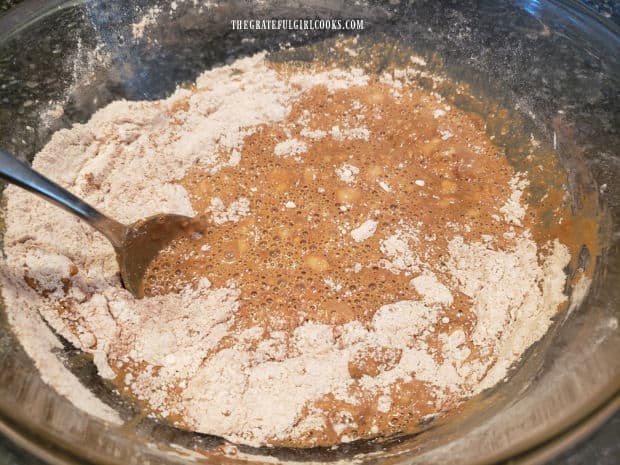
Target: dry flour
column 128, row 160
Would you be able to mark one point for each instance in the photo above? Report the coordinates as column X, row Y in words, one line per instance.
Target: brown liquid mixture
column 281, row 256
column 425, row 166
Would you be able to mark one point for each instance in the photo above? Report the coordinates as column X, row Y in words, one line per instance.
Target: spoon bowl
column 142, row 242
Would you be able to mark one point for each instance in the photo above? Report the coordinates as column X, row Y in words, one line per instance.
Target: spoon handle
column 19, row 173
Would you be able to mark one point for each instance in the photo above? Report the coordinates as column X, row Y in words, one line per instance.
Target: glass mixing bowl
column 553, row 63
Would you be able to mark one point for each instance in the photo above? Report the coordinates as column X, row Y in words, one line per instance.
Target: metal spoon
column 136, row 245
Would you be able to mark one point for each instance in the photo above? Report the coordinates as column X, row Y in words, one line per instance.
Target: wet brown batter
column 293, row 256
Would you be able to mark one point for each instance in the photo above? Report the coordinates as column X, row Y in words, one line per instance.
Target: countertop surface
column 601, row 448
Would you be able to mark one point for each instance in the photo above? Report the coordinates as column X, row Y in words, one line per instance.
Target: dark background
column 601, row 448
